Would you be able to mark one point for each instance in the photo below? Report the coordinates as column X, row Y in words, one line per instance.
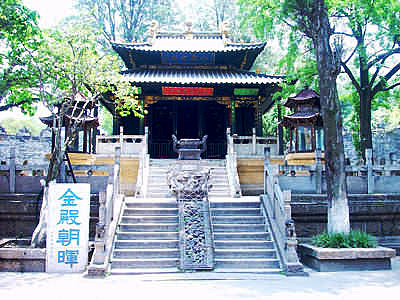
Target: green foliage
column 12, row 126
column 107, row 121
column 19, row 39
column 126, row 19
column 72, row 65
column 355, row 239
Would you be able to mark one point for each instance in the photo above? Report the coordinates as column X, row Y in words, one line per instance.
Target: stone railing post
column 254, row 142
column 12, row 170
column 318, row 171
column 146, row 139
column 121, row 138
column 267, row 156
column 100, row 243
column 370, row 170
column 117, row 164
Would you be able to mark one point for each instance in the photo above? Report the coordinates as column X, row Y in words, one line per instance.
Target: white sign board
column 67, row 227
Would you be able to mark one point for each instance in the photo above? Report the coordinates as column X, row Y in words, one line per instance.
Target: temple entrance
column 187, row 126
column 187, row 119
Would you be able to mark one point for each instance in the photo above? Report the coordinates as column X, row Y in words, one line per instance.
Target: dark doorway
column 188, row 120
column 161, row 127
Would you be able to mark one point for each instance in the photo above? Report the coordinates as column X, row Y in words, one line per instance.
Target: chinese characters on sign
column 187, row 91
column 68, row 227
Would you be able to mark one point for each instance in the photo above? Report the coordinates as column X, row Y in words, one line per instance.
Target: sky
column 51, row 11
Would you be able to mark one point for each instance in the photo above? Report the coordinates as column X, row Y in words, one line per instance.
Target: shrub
column 355, row 239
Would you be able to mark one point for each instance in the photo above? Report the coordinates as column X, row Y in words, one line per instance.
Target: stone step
column 137, row 271
column 146, row 253
column 238, row 220
column 238, row 204
column 121, row 235
column 144, row 263
column 239, row 228
column 149, row 204
column 256, row 263
column 148, row 227
column 149, row 219
column 260, row 244
column 146, row 244
column 248, row 271
column 236, row 212
column 167, row 195
column 150, row 211
column 245, row 253
column 235, row 236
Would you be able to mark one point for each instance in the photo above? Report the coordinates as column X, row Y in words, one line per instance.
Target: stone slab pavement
column 336, row 285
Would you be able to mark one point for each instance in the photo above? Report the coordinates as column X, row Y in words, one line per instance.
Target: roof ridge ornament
column 153, row 31
column 225, row 27
column 189, row 30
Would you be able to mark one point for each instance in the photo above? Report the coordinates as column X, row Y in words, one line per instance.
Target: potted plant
column 355, row 251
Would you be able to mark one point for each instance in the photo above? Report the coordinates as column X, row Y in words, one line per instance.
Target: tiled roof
column 185, row 77
column 199, row 44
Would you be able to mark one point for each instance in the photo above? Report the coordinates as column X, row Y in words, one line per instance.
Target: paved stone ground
column 322, row 286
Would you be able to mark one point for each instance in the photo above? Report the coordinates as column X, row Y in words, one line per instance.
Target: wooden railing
column 231, row 166
column 277, row 210
column 110, row 209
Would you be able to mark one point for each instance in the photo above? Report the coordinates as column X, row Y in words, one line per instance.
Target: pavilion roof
column 299, row 118
column 305, row 96
column 191, row 76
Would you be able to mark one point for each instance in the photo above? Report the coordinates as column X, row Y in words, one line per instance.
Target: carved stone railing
column 277, row 210
column 231, row 167
column 368, row 178
column 143, row 171
column 129, row 144
column 111, row 204
column 253, row 146
column 195, row 229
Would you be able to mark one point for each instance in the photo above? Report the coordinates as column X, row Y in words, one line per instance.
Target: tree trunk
column 365, row 101
column 328, row 69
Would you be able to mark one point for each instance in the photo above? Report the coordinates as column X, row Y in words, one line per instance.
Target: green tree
column 126, row 19
column 309, row 19
column 75, row 71
column 19, row 42
column 370, row 30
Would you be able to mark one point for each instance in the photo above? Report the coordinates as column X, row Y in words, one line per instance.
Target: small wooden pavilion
column 305, row 123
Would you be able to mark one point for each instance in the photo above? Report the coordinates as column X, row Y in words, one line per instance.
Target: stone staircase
column 157, row 186
column 242, row 240
column 147, row 237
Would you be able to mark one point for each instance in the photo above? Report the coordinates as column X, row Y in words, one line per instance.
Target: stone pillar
column 233, row 116
column 370, row 170
column 258, row 118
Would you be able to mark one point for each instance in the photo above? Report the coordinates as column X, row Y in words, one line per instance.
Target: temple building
column 194, row 84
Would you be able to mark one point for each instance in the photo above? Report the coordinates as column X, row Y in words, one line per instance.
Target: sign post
column 68, row 228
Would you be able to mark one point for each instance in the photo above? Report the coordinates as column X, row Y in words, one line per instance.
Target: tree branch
column 381, row 85
column 351, row 76
column 11, row 105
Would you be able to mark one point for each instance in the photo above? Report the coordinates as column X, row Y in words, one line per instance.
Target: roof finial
column 189, row 29
column 224, row 27
column 153, row 30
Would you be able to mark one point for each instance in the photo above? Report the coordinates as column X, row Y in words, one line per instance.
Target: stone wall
column 29, row 150
column 386, row 146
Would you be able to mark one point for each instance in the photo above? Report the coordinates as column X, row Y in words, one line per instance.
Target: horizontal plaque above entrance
column 187, row 91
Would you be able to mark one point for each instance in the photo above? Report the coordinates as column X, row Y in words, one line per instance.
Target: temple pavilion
column 193, row 84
